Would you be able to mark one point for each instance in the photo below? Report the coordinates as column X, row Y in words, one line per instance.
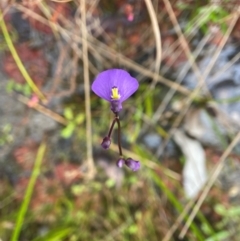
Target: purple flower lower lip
column 114, row 85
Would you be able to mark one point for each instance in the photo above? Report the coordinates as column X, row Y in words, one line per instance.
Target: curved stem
column 119, row 135
column 17, row 59
column 111, row 128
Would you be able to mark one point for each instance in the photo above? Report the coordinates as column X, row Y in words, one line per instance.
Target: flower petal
column 105, row 81
column 120, row 162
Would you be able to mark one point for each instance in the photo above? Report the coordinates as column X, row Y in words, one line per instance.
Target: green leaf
column 7, row 128
column 55, row 235
column 223, row 211
column 149, row 105
column 78, row 189
column 80, row 118
column 27, row 90
column 223, row 235
column 133, row 229
column 10, row 86
column 18, row 87
column 68, row 113
column 110, row 183
column 68, row 130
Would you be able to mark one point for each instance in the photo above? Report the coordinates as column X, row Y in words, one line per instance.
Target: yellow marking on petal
column 115, row 95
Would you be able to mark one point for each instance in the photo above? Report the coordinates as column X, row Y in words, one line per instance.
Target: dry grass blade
column 91, row 168
column 44, row 110
column 213, row 177
column 199, row 87
column 106, row 52
column 157, row 35
column 184, row 43
column 62, row 1
column 174, row 227
column 73, row 77
column 226, row 153
column 179, row 79
column 111, row 54
column 148, row 163
column 58, row 73
column 228, row 65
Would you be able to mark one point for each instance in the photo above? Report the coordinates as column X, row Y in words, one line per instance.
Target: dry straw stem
column 184, row 44
column 47, row 12
column 44, row 110
column 118, row 230
column 183, row 72
column 73, row 77
column 148, row 163
column 107, row 52
column 112, row 55
column 59, row 67
column 197, row 90
column 159, row 112
column 222, row 159
column 70, row 68
column 228, row 65
column 189, row 35
column 91, row 168
column 215, row 173
column 157, row 35
column 62, row 1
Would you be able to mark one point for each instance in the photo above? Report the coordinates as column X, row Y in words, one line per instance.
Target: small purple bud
column 106, row 142
column 120, row 162
column 132, row 164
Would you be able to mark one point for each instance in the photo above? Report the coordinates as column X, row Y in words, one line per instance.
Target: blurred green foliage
column 24, row 89
column 73, row 122
column 5, row 135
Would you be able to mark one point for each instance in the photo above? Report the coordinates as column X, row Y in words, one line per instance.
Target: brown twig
column 108, row 53
column 44, row 110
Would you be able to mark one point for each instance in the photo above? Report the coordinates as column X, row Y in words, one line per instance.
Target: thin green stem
column 29, row 191
column 18, row 60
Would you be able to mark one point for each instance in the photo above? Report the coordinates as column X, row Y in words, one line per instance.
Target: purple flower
column 132, row 164
column 115, row 86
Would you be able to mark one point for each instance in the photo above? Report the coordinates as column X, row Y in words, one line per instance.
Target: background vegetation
column 56, row 183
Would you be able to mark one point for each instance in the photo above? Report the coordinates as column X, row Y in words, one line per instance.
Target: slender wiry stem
column 119, row 136
column 87, row 89
column 157, row 36
column 111, row 128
